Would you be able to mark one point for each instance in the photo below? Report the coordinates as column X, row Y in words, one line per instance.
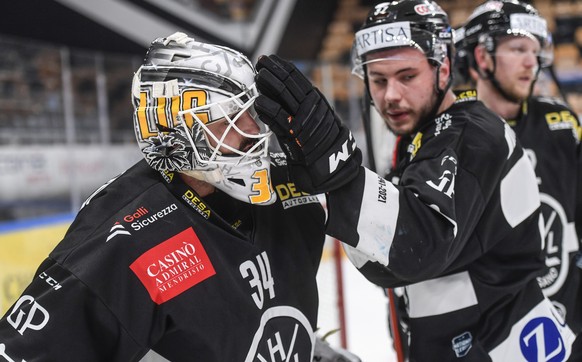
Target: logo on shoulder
column 443, row 122
column 197, row 204
column 564, row 120
column 173, row 266
column 139, row 219
column 28, row 314
column 466, row 96
column 116, row 230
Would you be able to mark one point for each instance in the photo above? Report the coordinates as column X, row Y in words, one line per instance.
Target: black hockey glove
column 322, row 153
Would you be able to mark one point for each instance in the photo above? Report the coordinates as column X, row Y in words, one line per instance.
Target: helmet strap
column 439, row 92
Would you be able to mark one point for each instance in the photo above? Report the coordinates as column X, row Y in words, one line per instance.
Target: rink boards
column 23, row 246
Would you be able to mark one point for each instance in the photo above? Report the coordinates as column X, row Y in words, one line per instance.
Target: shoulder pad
column 552, row 101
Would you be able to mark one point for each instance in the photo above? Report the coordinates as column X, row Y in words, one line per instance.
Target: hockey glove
column 322, row 152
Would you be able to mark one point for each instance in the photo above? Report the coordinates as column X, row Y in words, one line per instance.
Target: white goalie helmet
column 182, row 88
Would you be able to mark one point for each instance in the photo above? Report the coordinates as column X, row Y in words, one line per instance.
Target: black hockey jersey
column 147, row 264
column 550, row 134
column 460, row 233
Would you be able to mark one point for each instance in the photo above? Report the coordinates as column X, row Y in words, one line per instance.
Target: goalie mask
column 181, row 92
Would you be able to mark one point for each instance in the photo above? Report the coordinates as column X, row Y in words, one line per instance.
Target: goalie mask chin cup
column 183, row 87
column 420, row 24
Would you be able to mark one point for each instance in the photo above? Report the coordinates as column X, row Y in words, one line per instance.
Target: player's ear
column 444, row 73
column 482, row 58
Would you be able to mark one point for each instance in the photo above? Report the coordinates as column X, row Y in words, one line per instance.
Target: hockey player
column 189, row 253
column 461, row 230
column 505, row 45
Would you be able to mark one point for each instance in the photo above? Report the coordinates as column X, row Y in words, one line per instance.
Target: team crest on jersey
column 560, row 241
column 284, row 334
column 173, row 266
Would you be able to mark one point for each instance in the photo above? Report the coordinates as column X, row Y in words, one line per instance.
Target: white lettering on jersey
column 446, row 183
column 36, row 319
column 259, row 282
column 5, row 355
column 50, row 281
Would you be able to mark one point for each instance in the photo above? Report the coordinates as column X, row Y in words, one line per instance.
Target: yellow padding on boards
column 21, row 252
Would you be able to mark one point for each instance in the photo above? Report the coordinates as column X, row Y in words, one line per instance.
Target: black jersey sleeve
column 57, row 318
column 465, row 190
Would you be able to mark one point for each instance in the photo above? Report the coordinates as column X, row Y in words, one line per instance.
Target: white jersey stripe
column 378, row 217
column 519, row 192
column 441, row 295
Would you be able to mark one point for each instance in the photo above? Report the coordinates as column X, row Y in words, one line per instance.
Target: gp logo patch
column 28, row 314
column 173, row 266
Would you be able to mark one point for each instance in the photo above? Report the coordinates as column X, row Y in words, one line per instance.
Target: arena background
column 65, row 109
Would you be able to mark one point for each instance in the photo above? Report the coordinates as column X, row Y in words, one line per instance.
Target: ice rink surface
column 366, row 314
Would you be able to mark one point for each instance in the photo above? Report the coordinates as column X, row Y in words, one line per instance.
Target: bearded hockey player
column 505, row 45
column 460, row 232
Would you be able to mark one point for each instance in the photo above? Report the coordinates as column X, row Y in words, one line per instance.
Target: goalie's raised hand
column 322, row 152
